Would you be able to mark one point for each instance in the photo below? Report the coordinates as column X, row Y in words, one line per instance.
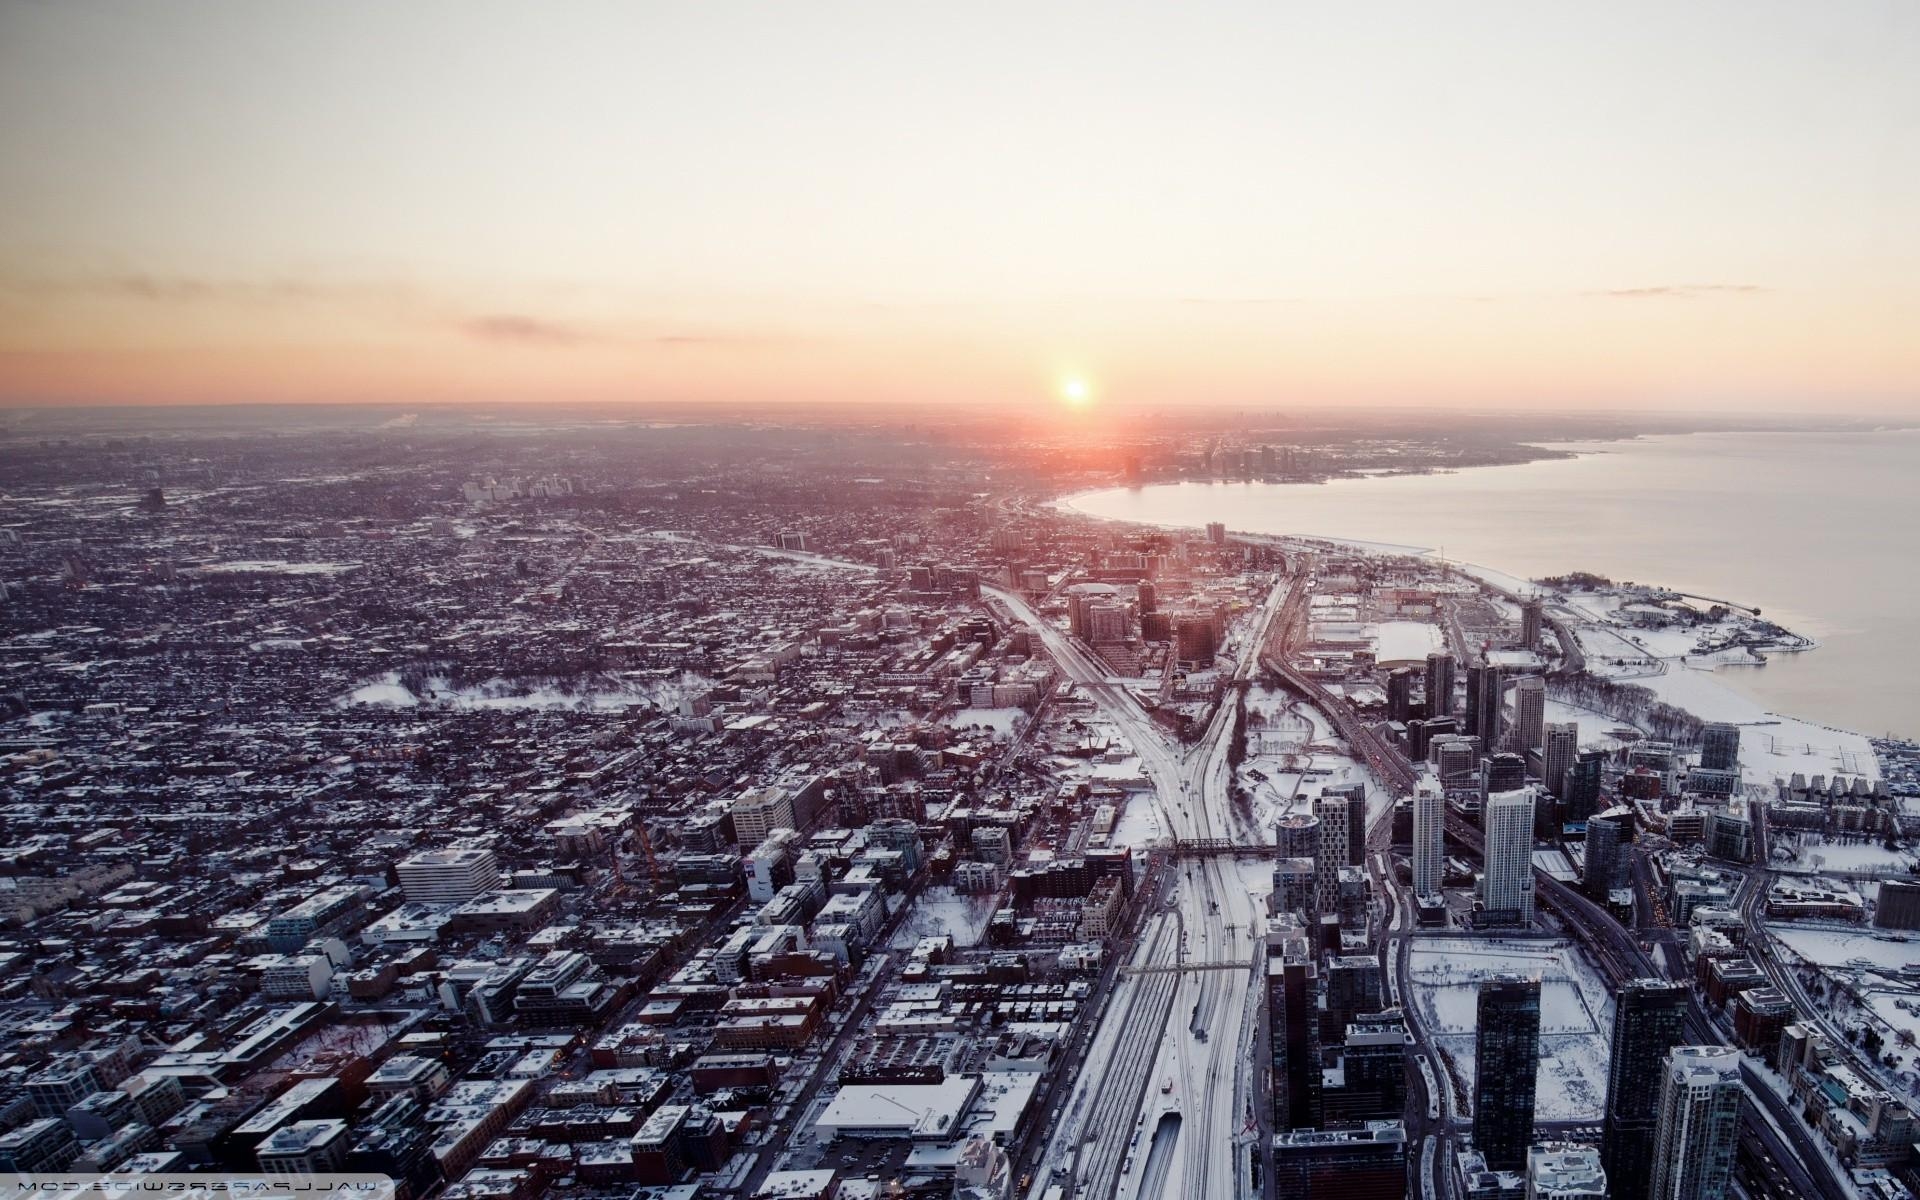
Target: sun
column 1076, row 391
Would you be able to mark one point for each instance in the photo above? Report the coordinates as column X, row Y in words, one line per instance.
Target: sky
column 1703, row 206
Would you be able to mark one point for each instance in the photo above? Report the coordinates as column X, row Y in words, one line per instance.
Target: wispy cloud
column 521, row 330
column 185, row 289
column 168, row 289
column 1681, row 291
column 395, row 301
column 190, row 289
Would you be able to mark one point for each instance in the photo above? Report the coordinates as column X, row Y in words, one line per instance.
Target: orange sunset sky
column 1704, row 206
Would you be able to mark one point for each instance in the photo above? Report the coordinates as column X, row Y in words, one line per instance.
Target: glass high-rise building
column 1562, row 743
column 1720, row 747
column 1649, row 1019
column 1484, row 712
column 1400, row 694
column 1607, row 837
column 1429, row 838
column 1506, row 1060
column 1439, row 684
column 1529, row 713
column 1584, row 777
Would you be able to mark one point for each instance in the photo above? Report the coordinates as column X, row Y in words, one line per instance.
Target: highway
column 1200, row 1041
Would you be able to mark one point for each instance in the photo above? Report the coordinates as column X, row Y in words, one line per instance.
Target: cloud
column 192, row 289
column 395, row 301
column 188, row 289
column 1681, row 291
column 521, row 330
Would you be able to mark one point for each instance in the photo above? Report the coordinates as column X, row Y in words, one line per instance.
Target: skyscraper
column 1529, row 712
column 1720, row 747
column 1454, row 759
column 1293, row 1031
column 1296, row 835
column 1357, row 825
column 1355, row 794
column 1484, row 703
column 1562, row 742
column 1502, row 773
column 1506, row 1059
column 1607, row 836
column 1698, row 1129
column 1584, row 777
column 1429, row 838
column 1506, row 882
column 1649, row 1019
column 1439, row 684
column 1530, row 624
column 1400, row 694
column 1330, row 854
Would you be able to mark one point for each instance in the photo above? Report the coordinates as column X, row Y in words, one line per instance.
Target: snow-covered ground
column 1832, row 947
column 271, row 566
column 1865, row 983
column 1139, row 822
column 388, row 691
column 1593, row 725
column 1813, row 852
column 1499, row 579
column 1405, row 641
column 1576, row 1014
column 1770, row 745
column 1002, row 721
column 941, row 910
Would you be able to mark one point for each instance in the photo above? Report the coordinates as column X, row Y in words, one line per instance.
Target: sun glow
column 1076, row 391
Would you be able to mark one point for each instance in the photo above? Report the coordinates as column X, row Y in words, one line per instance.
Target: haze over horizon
column 1498, row 205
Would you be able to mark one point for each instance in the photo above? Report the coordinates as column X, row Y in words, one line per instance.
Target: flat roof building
column 450, row 876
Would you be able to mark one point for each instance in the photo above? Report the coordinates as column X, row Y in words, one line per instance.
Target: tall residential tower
column 1698, row 1131
column 1649, row 1019
column 1506, row 1059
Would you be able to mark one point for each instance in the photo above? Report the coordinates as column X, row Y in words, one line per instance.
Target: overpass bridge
column 1215, row 848
column 1183, row 968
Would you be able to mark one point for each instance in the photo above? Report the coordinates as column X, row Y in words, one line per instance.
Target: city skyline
column 873, row 601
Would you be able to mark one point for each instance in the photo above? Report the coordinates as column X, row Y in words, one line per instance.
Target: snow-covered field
column 1817, row 853
column 1002, row 721
column 1576, row 1014
column 941, row 910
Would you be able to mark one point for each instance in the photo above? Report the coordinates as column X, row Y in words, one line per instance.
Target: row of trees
column 1627, row 702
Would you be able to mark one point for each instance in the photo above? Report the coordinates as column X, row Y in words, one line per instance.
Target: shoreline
column 1066, row 500
column 1719, row 699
